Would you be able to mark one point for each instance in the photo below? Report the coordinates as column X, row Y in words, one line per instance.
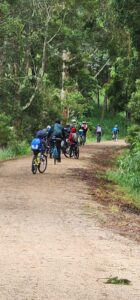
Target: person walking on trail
column 99, row 132
column 84, row 126
column 115, row 131
column 56, row 132
column 73, row 139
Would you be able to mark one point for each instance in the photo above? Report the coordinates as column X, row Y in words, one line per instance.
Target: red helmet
column 73, row 129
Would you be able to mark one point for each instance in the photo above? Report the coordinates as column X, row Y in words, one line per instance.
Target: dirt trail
column 53, row 244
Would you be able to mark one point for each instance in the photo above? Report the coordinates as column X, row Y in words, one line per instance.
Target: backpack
column 36, row 144
column 74, row 137
column 98, row 129
column 41, row 133
column 57, row 132
column 81, row 132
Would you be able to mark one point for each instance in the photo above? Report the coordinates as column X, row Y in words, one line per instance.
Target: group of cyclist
column 68, row 136
column 63, row 137
column 99, row 132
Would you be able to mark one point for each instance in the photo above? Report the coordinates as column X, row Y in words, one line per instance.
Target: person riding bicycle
column 115, row 131
column 67, row 130
column 81, row 136
column 42, row 135
column 56, row 133
column 84, row 126
column 73, row 139
column 99, row 132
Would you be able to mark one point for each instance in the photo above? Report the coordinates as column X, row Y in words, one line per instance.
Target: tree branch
column 101, row 69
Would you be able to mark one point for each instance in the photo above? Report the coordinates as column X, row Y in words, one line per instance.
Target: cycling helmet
column 73, row 129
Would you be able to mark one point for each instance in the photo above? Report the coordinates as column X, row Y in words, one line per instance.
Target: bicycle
column 56, row 147
column 74, row 151
column 114, row 137
column 40, row 156
column 65, row 147
column 82, row 140
column 98, row 135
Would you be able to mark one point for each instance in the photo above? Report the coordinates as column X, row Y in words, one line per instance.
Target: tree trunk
column 104, row 109
column 98, row 99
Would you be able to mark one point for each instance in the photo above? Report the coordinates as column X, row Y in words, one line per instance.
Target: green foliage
column 5, row 130
column 116, row 280
column 75, row 102
column 127, row 173
column 20, row 148
column 134, row 104
column 15, row 149
column 104, row 57
column 133, row 135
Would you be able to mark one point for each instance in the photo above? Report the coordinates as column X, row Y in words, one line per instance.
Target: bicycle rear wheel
column 66, row 152
column 34, row 165
column 76, row 152
column 42, row 164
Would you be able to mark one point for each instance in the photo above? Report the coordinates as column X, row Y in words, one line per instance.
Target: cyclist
column 73, row 139
column 56, row 132
column 67, row 130
column 73, row 123
column 99, row 132
column 42, row 135
column 115, row 131
column 84, row 126
column 81, row 137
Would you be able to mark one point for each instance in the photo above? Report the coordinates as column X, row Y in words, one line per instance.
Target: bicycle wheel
column 66, row 152
column 42, row 164
column 34, row 165
column 55, row 154
column 76, row 152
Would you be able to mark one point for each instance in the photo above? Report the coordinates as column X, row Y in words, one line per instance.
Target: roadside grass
column 132, row 194
column 15, row 150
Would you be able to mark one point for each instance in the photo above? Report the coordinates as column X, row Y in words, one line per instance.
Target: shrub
column 133, row 136
column 5, row 130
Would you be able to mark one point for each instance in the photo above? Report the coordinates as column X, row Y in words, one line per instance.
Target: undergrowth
column 127, row 173
column 14, row 150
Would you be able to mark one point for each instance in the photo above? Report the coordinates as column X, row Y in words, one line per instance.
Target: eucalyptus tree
column 28, row 29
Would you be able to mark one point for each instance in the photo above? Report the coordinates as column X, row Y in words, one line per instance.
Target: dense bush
column 133, row 136
column 129, row 168
column 5, row 130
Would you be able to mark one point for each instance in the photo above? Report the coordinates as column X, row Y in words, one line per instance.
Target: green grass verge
column 123, row 182
column 15, row 150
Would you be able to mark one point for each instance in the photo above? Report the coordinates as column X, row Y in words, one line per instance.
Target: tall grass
column 127, row 173
column 14, row 150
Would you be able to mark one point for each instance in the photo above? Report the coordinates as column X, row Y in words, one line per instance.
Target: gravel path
column 50, row 247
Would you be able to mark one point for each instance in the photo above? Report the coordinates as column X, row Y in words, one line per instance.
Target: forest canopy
column 58, row 58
